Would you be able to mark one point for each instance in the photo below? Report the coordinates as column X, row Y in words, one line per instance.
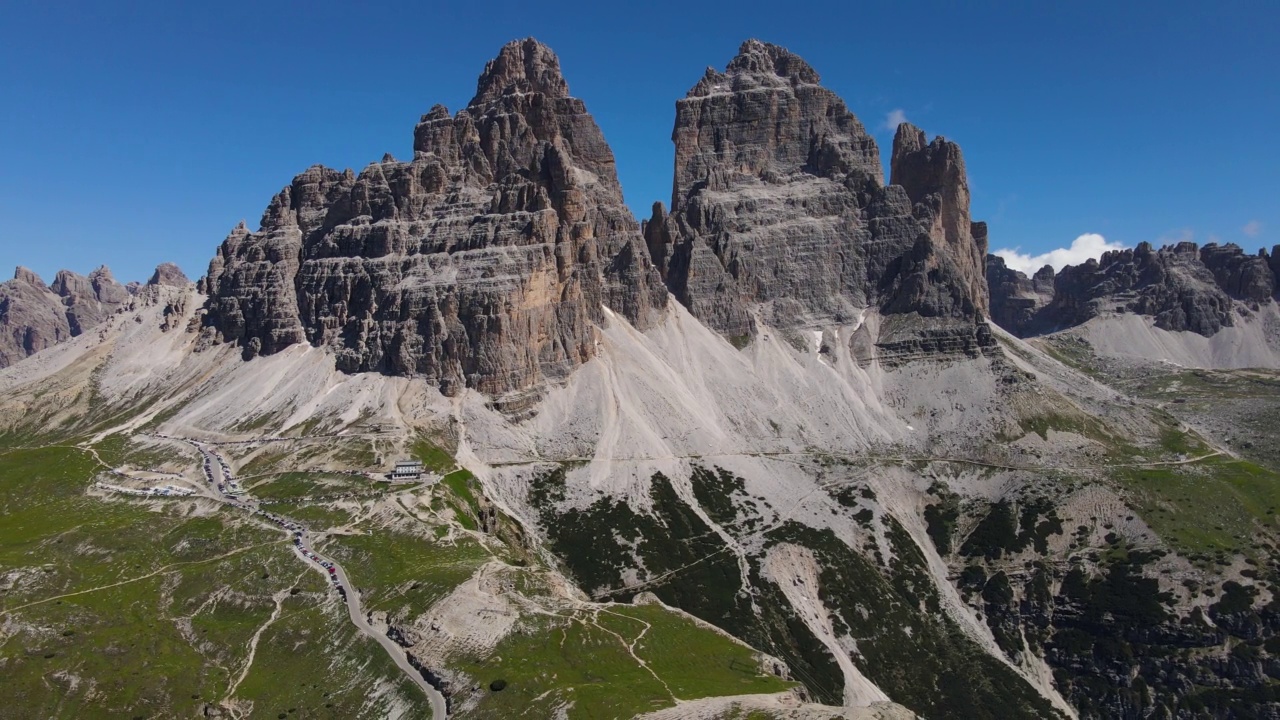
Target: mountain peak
column 169, row 274
column 908, row 138
column 522, row 66
column 503, row 243
column 758, row 57
column 28, row 276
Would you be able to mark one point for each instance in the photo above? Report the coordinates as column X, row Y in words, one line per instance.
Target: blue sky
column 135, row 133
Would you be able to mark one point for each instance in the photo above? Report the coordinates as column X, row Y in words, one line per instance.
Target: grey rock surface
column 34, row 316
column 483, row 262
column 779, row 207
column 89, row 300
column 1016, row 299
column 1182, row 287
column 169, row 274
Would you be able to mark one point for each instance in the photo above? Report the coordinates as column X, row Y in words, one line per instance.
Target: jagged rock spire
column 933, row 174
column 484, row 262
column 779, row 204
column 762, row 58
column 34, row 316
column 522, row 66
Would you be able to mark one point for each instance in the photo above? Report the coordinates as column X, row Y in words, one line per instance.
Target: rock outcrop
column 89, row 300
column 1181, row 287
column 170, row 275
column 779, row 208
column 1016, row 299
column 34, row 316
column 484, row 262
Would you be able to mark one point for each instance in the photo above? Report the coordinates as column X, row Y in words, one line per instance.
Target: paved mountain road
column 439, row 709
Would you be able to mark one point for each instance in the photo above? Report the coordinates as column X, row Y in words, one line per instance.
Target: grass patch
column 297, row 672
column 130, row 645
column 1219, row 503
column 405, row 573
column 585, row 661
column 321, row 517
column 287, row 486
column 693, row 661
column 434, row 458
column 462, row 486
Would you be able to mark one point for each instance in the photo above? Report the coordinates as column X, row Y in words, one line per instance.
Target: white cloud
column 1253, row 228
column 896, row 117
column 1089, row 245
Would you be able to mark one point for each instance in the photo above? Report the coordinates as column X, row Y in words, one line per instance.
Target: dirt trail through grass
column 161, row 571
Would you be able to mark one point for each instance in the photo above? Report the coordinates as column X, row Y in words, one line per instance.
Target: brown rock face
column 31, row 317
column 34, row 316
column 89, row 300
column 484, row 262
column 934, row 177
column 779, row 207
column 169, row 274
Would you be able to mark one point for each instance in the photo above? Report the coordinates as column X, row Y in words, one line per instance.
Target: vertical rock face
column 1016, row 299
column 779, row 206
column 1181, row 287
column 34, row 316
column 31, row 317
column 934, row 177
column 483, row 262
column 89, row 300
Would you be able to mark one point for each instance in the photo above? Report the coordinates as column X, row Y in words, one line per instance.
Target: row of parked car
column 232, row 490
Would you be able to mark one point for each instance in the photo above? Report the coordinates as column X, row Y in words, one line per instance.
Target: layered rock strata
column 483, row 262
column 779, row 208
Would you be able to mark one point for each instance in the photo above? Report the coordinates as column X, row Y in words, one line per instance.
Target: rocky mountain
column 780, row 214
column 168, row 274
column 1181, row 288
column 483, row 262
column 816, row 483
column 1016, row 299
column 34, row 316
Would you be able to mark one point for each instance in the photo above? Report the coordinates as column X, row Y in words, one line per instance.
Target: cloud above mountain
column 896, row 117
column 1253, row 228
column 1089, row 245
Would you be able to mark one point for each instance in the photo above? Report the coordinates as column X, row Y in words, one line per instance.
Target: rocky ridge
column 1182, row 287
column 484, row 262
column 779, row 209
column 34, row 316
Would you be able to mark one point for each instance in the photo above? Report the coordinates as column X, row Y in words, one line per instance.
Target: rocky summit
column 484, row 262
column 34, row 316
column 780, row 214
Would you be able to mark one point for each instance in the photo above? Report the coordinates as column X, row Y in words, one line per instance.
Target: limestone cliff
column 483, row 262
column 779, row 207
column 34, row 316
